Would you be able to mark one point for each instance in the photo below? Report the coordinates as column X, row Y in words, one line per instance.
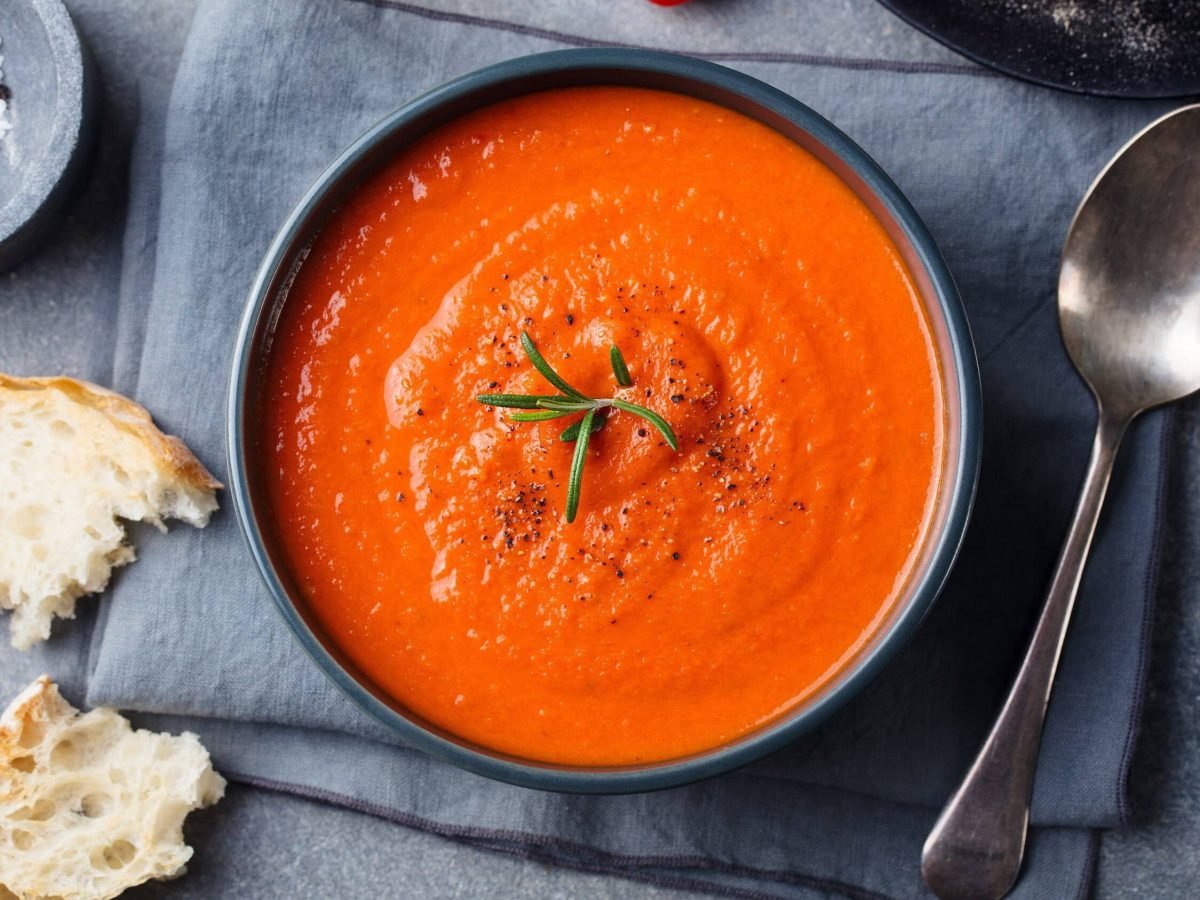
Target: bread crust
column 170, row 451
column 30, row 705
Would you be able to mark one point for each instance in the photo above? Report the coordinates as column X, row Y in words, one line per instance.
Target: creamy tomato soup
column 699, row 594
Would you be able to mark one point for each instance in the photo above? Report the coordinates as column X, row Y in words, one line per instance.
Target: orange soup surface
column 698, row 595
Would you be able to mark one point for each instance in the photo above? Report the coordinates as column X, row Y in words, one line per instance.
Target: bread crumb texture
column 74, row 458
column 90, row 807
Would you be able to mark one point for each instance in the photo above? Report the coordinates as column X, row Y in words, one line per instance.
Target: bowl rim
column 943, row 546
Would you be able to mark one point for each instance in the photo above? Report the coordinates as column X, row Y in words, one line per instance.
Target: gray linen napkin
column 267, row 93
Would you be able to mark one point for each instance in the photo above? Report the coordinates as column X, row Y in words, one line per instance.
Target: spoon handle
column 975, row 849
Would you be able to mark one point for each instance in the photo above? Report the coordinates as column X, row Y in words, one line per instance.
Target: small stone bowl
column 51, row 92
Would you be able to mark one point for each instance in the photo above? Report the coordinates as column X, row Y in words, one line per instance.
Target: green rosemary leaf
column 541, row 415
column 575, row 482
column 542, row 366
column 652, row 417
column 517, row 401
column 571, row 432
column 566, row 404
column 620, row 370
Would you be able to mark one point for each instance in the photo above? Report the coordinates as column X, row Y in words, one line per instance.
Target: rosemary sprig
column 543, row 407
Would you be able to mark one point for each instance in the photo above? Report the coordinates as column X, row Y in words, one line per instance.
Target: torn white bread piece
column 88, row 806
column 73, row 458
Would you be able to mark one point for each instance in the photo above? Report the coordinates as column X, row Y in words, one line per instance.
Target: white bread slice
column 88, row 806
column 74, row 457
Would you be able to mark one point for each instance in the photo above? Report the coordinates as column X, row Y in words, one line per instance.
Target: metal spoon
column 1129, row 309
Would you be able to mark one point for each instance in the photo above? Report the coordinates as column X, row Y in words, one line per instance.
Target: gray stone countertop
column 262, row 844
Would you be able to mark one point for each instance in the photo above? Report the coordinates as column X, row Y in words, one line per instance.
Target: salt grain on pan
column 1065, row 13
column 1135, row 31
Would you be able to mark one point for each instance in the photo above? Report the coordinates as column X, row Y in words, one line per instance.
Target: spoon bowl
column 1129, row 287
column 1129, row 309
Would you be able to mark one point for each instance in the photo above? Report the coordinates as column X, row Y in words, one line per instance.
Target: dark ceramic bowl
column 52, row 96
column 652, row 70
